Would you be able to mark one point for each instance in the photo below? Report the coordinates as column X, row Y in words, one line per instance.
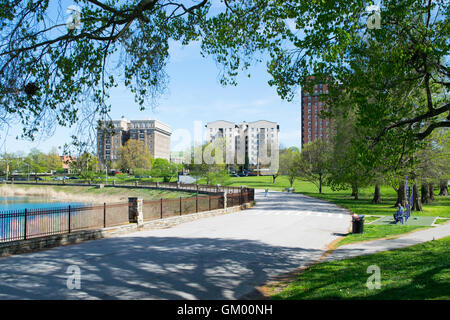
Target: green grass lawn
column 440, row 221
column 363, row 206
column 371, row 219
column 372, row 232
column 417, row 272
column 440, row 207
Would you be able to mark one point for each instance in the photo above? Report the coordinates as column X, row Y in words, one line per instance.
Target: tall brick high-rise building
column 313, row 127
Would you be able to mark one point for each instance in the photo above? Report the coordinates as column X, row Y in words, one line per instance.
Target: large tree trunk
column 355, row 192
column 443, row 186
column 431, row 191
column 401, row 195
column 376, row 195
column 417, row 204
column 425, row 193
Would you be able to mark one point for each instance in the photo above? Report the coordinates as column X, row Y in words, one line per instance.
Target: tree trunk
column 417, row 204
column 425, row 193
column 401, row 195
column 376, row 195
column 320, row 184
column 431, row 191
column 443, row 188
column 355, row 191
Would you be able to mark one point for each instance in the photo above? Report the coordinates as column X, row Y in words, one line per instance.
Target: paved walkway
column 221, row 257
column 363, row 248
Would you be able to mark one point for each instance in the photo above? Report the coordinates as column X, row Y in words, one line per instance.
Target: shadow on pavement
column 149, row 268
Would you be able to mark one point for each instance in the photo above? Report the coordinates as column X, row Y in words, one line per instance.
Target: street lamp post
column 7, row 168
column 28, row 172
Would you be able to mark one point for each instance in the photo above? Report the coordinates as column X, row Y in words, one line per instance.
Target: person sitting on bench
column 399, row 215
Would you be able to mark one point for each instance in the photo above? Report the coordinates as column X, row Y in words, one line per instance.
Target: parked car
column 74, row 178
column 251, row 174
column 60, row 178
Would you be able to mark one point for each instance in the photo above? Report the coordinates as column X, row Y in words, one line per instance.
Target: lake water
column 13, row 221
column 34, row 202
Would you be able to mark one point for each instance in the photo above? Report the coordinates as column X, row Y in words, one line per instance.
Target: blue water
column 12, row 215
column 30, row 203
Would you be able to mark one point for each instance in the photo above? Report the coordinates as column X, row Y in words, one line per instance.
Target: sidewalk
column 363, row 248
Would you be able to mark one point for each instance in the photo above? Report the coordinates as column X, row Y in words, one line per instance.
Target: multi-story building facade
column 243, row 140
column 313, row 127
column 66, row 162
column 154, row 134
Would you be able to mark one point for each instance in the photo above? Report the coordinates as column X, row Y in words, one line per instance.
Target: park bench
column 403, row 217
column 289, row 189
column 399, row 217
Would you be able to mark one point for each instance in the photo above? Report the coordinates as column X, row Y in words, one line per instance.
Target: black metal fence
column 26, row 224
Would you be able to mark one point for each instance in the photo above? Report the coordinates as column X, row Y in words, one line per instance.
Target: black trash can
column 357, row 224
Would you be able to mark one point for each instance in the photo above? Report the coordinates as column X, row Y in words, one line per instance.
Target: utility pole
column 7, row 168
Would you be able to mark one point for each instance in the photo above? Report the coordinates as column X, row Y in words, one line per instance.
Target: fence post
column 104, row 214
column 135, row 214
column 224, row 200
column 161, row 208
column 196, row 202
column 25, row 226
column 69, row 219
column 209, row 202
column 180, row 206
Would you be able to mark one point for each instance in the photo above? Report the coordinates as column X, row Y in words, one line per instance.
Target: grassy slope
column 119, row 194
column 418, row 272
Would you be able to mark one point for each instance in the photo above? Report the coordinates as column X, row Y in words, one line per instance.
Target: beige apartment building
column 153, row 133
column 243, row 139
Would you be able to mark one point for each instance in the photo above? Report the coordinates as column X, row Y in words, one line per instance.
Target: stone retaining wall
column 47, row 242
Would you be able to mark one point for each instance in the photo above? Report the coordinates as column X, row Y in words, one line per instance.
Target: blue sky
column 195, row 94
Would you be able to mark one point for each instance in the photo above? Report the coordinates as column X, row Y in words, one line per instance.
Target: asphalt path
column 222, row 257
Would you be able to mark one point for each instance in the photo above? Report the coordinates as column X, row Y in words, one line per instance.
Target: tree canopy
column 132, row 155
column 397, row 76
